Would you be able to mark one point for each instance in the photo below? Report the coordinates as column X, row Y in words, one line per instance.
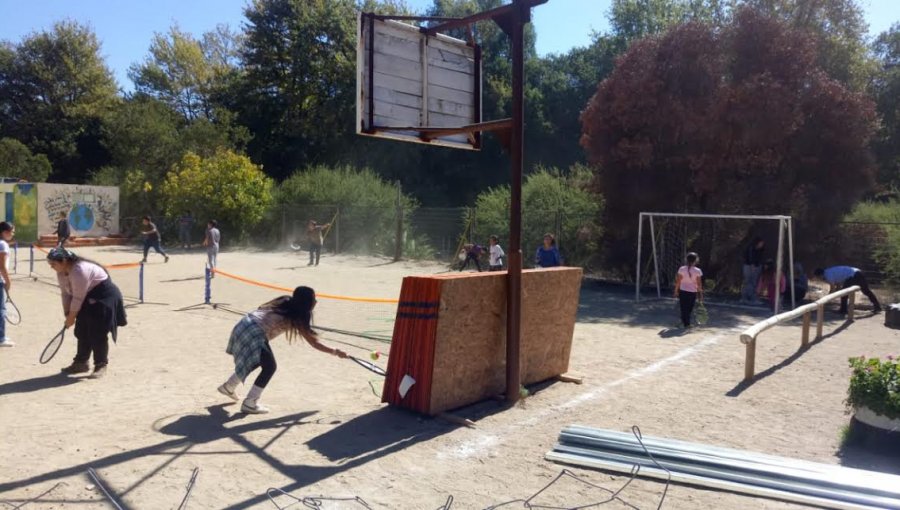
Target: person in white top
column 7, row 231
column 496, row 255
column 689, row 287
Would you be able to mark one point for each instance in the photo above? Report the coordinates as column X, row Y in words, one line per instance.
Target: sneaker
column 76, row 368
column 253, row 408
column 99, row 372
column 877, row 310
column 7, row 343
column 228, row 393
column 143, row 261
column 167, row 259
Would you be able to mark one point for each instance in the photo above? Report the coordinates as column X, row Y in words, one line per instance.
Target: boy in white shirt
column 7, row 231
column 496, row 255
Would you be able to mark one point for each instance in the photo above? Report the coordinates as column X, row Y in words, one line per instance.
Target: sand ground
column 156, row 416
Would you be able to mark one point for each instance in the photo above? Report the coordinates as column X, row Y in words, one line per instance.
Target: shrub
column 551, row 202
column 225, row 186
column 875, row 234
column 875, row 384
column 367, row 205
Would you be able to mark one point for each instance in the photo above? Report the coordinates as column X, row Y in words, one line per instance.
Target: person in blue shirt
column 840, row 277
column 548, row 254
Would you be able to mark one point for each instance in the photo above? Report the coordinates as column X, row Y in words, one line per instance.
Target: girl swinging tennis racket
column 249, row 342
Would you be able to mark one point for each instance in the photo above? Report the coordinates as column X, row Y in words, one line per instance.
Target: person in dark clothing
column 753, row 260
column 473, row 254
column 547, row 255
column 151, row 239
column 93, row 304
column 63, row 232
column 841, row 277
column 801, row 285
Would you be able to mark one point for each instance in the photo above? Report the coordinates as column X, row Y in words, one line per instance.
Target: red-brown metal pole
column 520, row 16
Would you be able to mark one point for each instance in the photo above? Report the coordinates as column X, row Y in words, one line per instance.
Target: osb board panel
column 470, row 345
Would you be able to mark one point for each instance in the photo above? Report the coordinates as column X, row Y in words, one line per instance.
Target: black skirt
column 102, row 312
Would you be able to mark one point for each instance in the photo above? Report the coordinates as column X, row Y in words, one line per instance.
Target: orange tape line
column 39, row 248
column 285, row 289
column 128, row 265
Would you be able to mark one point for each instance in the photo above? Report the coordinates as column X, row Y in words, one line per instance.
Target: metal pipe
column 637, row 275
column 655, row 259
column 779, row 263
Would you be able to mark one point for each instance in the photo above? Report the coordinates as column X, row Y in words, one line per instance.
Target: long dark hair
column 297, row 308
column 64, row 255
column 6, row 226
column 691, row 259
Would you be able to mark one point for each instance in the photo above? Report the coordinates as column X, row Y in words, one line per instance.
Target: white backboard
column 406, row 80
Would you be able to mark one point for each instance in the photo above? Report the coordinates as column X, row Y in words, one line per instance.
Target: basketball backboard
column 415, row 87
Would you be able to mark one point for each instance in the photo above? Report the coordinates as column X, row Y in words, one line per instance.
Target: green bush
column 367, row 204
column 225, row 186
column 875, row 384
column 878, row 229
column 552, row 201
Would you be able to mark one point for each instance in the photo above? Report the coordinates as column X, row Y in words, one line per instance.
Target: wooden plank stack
column 450, row 336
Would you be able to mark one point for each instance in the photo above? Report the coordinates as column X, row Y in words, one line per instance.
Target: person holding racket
column 93, row 304
column 316, row 238
column 7, row 231
column 249, row 343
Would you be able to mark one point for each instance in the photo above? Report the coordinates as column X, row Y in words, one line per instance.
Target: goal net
column 665, row 239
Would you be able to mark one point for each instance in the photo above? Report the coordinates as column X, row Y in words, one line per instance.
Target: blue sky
column 125, row 27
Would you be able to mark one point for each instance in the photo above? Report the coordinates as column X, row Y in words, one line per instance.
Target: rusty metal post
column 520, row 16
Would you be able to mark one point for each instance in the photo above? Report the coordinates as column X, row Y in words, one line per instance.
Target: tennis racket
column 369, row 366
column 296, row 246
column 701, row 314
column 53, row 346
column 12, row 312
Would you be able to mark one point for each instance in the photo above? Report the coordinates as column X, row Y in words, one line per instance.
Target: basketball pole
column 520, row 15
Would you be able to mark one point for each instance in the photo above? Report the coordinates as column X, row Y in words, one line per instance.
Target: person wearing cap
column 93, row 304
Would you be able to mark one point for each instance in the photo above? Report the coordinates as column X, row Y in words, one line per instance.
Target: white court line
column 480, row 444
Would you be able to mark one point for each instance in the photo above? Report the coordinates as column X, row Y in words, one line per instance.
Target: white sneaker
column 7, row 343
column 253, row 408
column 232, row 394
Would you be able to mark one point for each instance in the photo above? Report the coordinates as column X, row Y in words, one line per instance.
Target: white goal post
column 785, row 229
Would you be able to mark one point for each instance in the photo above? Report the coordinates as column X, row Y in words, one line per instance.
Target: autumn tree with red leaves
column 736, row 120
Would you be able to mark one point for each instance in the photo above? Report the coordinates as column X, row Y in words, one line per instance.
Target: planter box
column 875, row 432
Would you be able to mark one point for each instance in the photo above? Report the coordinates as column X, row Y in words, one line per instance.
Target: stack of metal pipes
column 756, row 474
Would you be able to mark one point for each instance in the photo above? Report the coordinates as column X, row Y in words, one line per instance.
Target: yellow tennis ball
column 374, row 355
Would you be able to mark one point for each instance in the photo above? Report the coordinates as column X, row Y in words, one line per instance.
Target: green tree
column 225, row 186
column 143, row 133
column 553, row 202
column 55, row 92
column 886, row 88
column 19, row 162
column 184, row 72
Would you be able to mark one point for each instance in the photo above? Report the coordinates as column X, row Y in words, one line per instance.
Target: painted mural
column 25, row 214
column 92, row 211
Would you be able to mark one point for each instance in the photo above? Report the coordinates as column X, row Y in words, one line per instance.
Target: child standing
column 547, row 254
column 689, row 287
column 316, row 238
column 767, row 283
column 249, row 343
column 7, row 231
column 496, row 255
column 211, row 242
column 151, row 239
column 63, row 232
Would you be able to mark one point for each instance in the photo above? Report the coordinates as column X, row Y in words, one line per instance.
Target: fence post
column 851, row 306
column 31, row 260
column 207, row 294
column 804, row 341
column 337, row 232
column 398, row 248
column 141, row 283
column 284, row 234
column 750, row 361
column 820, row 320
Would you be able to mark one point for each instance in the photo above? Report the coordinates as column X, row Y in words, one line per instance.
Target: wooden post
column 750, row 361
column 807, row 319
column 337, row 232
column 398, row 248
column 820, row 320
column 851, row 306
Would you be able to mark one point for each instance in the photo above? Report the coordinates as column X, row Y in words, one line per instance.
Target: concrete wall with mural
column 6, row 201
column 93, row 211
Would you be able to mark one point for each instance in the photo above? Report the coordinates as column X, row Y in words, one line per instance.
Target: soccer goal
column 719, row 239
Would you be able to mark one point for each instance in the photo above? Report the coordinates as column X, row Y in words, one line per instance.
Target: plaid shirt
column 247, row 341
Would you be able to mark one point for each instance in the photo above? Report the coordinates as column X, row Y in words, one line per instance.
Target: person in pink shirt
column 689, row 287
column 92, row 303
column 767, row 283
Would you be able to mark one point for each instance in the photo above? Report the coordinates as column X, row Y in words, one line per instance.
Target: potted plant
column 874, row 399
